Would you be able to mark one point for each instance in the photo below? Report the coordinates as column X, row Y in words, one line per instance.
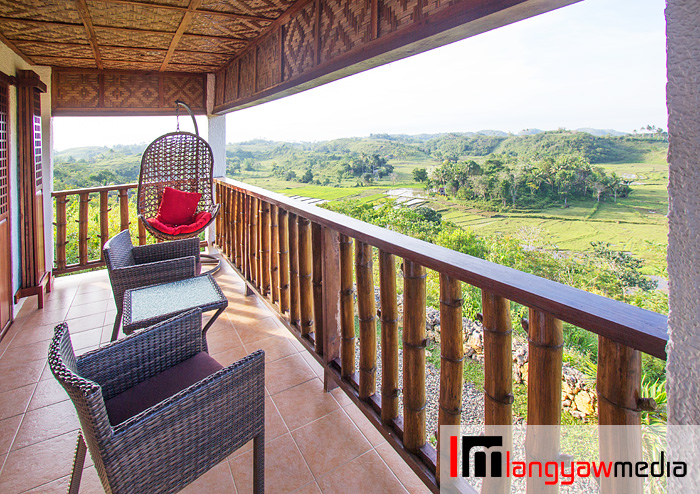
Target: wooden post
column 274, row 256
column 451, row 355
column 619, row 384
column 390, row 336
column 83, row 228
column 283, row 260
column 317, row 254
column 294, row 304
column 142, row 233
column 218, row 194
column 414, row 342
column 264, row 248
column 230, row 225
column 367, row 315
column 61, row 231
column 306, row 296
column 330, row 255
column 347, row 308
column 124, row 209
column 498, row 377
column 543, row 393
column 104, row 221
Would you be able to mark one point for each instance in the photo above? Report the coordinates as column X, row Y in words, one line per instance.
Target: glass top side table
column 149, row 305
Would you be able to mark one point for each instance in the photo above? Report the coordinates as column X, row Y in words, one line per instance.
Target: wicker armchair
column 134, row 267
column 154, row 410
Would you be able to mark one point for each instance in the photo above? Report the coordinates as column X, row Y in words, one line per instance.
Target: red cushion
column 160, row 387
column 200, row 221
column 178, row 207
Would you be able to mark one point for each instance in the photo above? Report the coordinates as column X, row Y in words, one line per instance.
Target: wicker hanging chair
column 182, row 161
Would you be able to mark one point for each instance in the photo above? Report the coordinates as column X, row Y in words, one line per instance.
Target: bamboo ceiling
column 152, row 35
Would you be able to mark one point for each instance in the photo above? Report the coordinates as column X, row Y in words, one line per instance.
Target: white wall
column 10, row 63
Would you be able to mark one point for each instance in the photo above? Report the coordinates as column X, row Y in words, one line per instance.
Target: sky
column 595, row 64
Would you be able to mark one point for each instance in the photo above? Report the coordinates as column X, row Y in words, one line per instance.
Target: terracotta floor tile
column 274, row 424
column 258, row 329
column 366, row 474
column 88, row 309
column 15, row 401
column 18, row 374
column 304, row 403
column 47, row 393
column 32, row 334
column 285, row 469
column 276, row 347
column 311, row 488
column 32, row 351
column 313, row 363
column 215, row 481
column 89, row 484
column 84, row 339
column 8, row 430
column 313, row 441
column 227, row 357
column 44, row 317
column 101, row 283
column 38, row 464
column 110, row 315
column 406, row 476
column 92, row 297
column 46, row 422
column 365, row 426
column 341, row 397
column 222, row 341
column 86, row 322
column 287, row 372
column 297, row 344
column 222, row 323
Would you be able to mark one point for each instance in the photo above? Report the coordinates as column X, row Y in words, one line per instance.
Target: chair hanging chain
column 177, row 116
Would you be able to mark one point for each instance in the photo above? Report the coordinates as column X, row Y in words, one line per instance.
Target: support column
column 216, row 137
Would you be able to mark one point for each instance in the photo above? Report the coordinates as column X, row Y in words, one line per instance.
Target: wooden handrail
column 631, row 326
column 90, row 190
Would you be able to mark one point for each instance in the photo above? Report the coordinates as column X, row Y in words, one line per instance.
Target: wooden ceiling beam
column 184, row 24
column 230, row 15
column 81, row 5
column 120, row 29
column 14, row 48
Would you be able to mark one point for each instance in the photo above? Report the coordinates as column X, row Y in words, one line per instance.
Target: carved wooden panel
column 263, row 8
column 130, row 55
column 93, row 92
column 432, row 6
column 395, row 14
column 132, row 38
column 65, row 62
column 214, row 25
column 298, row 42
column 210, row 45
column 345, row 24
column 220, row 89
column 32, row 48
column 36, row 31
column 247, row 74
column 268, row 62
column 231, row 92
column 189, row 58
column 41, row 10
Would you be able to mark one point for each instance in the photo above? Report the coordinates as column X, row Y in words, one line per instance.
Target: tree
column 420, row 174
column 290, row 175
column 307, row 177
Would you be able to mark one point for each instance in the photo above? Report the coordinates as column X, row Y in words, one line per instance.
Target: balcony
column 38, row 424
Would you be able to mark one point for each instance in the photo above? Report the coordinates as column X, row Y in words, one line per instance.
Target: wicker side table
column 149, row 305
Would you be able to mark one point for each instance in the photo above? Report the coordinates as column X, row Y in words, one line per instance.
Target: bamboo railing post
column 83, row 228
column 274, row 256
column 294, row 303
column 317, row 254
column 619, row 386
column 142, row 233
column 330, row 255
column 414, row 342
column 283, row 260
column 306, row 296
column 367, row 315
column 347, row 309
column 218, row 189
column 61, row 231
column 222, row 220
column 265, row 249
column 498, row 382
column 390, row 336
column 545, row 352
column 104, row 221
column 451, row 356
column 229, row 227
column 124, row 209
column 240, row 221
column 253, row 240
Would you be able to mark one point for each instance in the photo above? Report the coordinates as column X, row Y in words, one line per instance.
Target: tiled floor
column 315, row 441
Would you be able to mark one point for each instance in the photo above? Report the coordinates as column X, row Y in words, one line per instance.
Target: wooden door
column 5, row 242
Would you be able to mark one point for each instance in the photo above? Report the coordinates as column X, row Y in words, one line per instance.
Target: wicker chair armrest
column 153, row 273
column 167, row 250
column 210, row 419
column 122, row 364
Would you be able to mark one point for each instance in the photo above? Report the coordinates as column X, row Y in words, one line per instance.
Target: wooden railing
column 300, row 258
column 111, row 196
